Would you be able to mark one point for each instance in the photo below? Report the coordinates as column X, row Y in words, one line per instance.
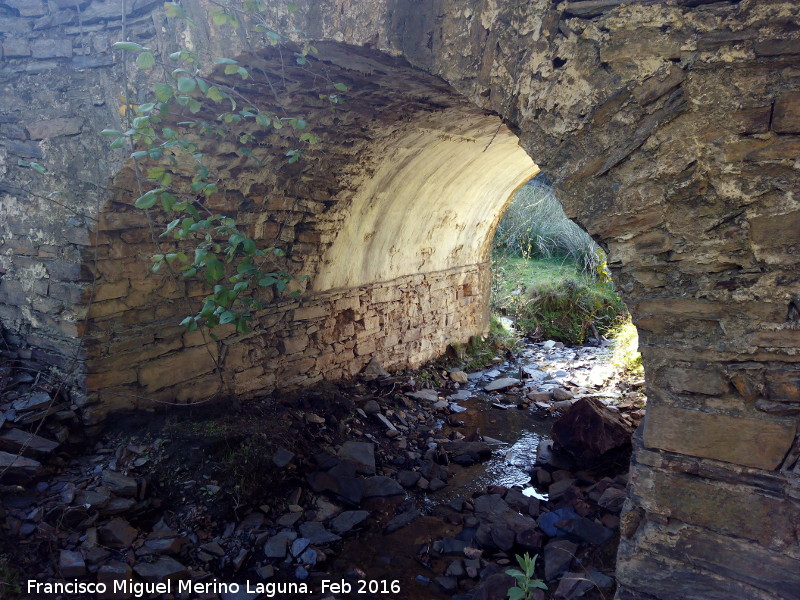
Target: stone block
column 759, row 443
column 16, row 48
column 175, row 368
column 740, row 511
column 709, row 382
column 776, row 231
column 292, row 345
column 777, row 47
column 311, row 312
column 51, row 48
column 786, row 114
column 55, row 127
column 783, row 386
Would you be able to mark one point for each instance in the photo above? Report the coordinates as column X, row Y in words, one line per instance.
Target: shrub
column 626, row 354
column 535, row 226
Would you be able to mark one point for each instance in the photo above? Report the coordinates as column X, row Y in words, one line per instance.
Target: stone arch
column 390, row 221
column 672, row 132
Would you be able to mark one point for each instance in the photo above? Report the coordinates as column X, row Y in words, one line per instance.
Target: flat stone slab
column 14, row 440
column 317, row 534
column 498, row 385
column 381, row 486
column 429, row 395
column 348, row 519
column 18, row 464
column 362, row 454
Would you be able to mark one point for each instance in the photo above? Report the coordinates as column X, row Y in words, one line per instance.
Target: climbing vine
column 191, row 104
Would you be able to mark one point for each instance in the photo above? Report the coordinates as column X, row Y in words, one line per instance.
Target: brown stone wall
column 672, row 131
column 323, row 336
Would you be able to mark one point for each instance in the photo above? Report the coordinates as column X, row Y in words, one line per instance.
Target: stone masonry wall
column 672, row 130
column 323, row 336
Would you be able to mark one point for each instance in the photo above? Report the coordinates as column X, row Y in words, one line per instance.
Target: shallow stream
column 403, row 555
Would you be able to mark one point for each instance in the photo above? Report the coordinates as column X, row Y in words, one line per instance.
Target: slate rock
column 429, row 395
column 348, row 519
column 299, row 546
column 467, row 453
column 548, row 521
column 612, row 499
column 35, row 401
column 164, row 569
column 588, row 430
column 576, row 585
column 374, row 370
column 371, row 407
column 282, row 457
column 317, row 534
column 501, row 384
column 408, row 478
column 117, row 533
column 362, row 454
column 71, row 564
column 277, row 545
column 493, row 587
column 558, row 555
column 16, row 440
column 12, row 463
column 583, row 529
column 381, row 486
column 402, row 520
column 120, row 484
column 448, row 584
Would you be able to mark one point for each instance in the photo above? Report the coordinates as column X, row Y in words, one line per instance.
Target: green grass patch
column 554, row 299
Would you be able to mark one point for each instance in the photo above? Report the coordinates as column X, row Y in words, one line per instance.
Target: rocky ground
column 339, row 483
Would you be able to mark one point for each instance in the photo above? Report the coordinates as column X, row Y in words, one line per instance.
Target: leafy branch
column 166, row 134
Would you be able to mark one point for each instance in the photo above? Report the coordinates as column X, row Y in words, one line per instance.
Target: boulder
column 589, row 430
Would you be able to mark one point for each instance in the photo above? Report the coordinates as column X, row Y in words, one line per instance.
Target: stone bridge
column 672, row 130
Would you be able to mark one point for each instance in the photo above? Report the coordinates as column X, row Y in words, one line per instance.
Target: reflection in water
column 402, row 555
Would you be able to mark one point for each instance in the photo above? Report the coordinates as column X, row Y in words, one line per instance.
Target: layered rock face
column 671, row 128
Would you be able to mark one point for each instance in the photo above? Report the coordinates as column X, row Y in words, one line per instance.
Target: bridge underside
column 672, row 130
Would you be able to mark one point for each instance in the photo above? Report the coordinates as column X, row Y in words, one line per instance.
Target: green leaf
column 146, row 60
column 227, row 317
column 148, row 200
column 168, row 202
column 202, row 84
column 516, row 593
column 215, row 94
column 538, row 584
column 243, row 72
column 194, row 106
column 186, row 84
column 341, row 87
column 117, row 143
column 163, row 92
column 139, row 154
column 515, row 573
column 215, row 270
column 110, row 132
column 226, row 61
column 300, row 124
column 130, row 46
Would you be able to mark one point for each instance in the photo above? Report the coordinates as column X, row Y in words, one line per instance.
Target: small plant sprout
column 526, row 584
